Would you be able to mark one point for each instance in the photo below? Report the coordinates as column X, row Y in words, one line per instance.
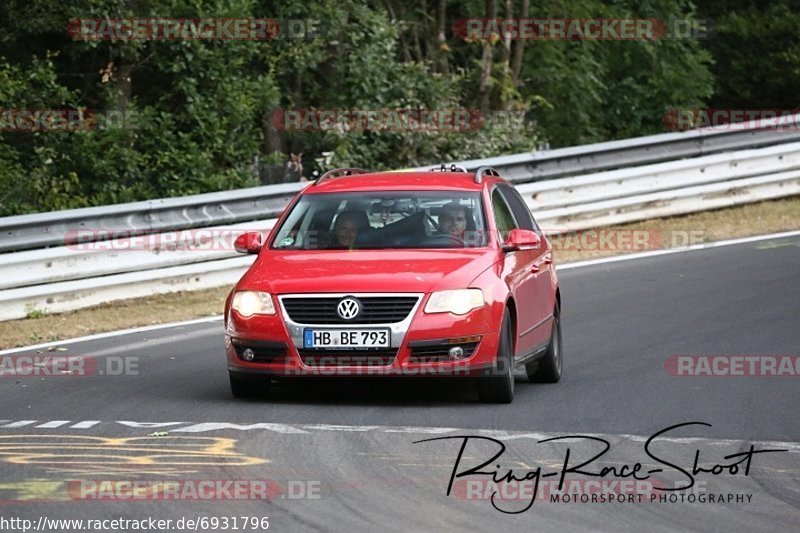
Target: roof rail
column 452, row 168
column 485, row 170
column 340, row 173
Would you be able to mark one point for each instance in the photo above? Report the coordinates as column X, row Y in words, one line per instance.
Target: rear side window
column 502, row 215
column 518, row 207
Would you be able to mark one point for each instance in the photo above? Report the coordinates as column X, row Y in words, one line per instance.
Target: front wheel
column 499, row 386
column 548, row 368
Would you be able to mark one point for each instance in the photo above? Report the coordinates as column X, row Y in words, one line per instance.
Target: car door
column 534, row 293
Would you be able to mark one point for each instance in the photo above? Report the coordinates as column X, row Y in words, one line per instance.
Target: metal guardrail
column 569, row 202
column 672, row 202
column 124, row 254
column 62, row 277
column 74, row 294
column 27, row 232
column 69, row 295
column 586, row 159
column 614, row 184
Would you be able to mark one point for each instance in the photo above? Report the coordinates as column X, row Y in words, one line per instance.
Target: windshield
column 370, row 220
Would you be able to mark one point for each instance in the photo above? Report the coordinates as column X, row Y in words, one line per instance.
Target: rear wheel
column 248, row 387
column 548, row 368
column 499, row 386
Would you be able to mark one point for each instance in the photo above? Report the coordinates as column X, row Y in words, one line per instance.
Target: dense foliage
column 197, row 112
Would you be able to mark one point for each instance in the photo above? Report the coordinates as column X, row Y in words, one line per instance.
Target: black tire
column 248, row 388
column 548, row 368
column 499, row 386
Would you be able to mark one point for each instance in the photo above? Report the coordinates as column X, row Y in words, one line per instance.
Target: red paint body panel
column 522, row 279
column 283, row 272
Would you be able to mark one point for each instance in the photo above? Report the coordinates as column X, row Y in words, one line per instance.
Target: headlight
column 249, row 303
column 458, row 302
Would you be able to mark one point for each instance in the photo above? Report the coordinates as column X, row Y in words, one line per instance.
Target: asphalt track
column 352, row 443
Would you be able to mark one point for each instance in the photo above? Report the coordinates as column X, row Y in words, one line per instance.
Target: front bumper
column 419, row 346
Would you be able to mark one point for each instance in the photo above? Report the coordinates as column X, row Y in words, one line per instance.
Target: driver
column 453, row 220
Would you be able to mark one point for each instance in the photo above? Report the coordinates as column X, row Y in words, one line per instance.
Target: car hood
column 283, row 272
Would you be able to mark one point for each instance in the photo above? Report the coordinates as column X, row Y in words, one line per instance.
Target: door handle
column 548, row 259
column 535, row 267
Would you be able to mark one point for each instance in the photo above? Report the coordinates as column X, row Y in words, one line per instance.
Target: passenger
column 348, row 226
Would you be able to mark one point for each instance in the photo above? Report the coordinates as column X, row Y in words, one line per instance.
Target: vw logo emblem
column 348, row 308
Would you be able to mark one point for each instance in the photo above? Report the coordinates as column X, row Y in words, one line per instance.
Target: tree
column 756, row 53
column 197, row 112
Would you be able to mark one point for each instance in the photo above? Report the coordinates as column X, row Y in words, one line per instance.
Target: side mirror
column 521, row 239
column 248, row 243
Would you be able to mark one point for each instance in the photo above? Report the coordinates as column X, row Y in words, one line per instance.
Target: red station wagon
column 439, row 273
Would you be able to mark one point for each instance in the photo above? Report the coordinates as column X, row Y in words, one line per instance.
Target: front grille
column 382, row 357
column 439, row 352
column 374, row 309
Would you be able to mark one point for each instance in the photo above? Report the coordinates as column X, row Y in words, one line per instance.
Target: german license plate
column 346, row 338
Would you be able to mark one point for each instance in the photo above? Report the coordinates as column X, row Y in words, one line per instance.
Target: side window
column 502, row 215
column 518, row 207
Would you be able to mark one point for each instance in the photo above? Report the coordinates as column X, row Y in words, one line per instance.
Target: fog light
column 248, row 354
column 456, row 353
